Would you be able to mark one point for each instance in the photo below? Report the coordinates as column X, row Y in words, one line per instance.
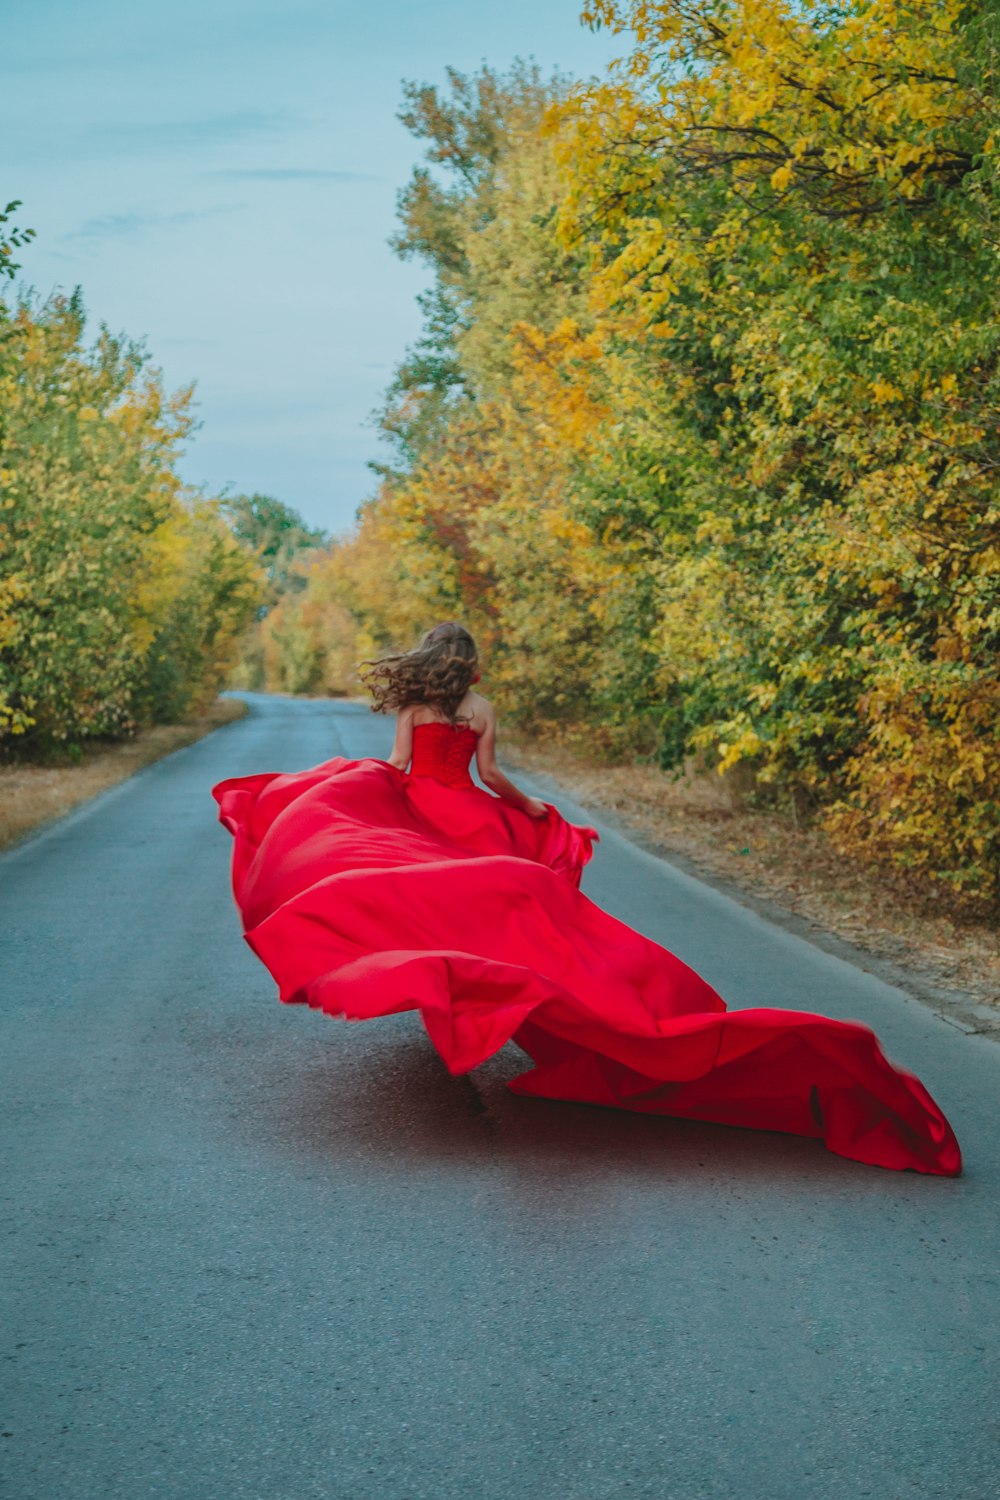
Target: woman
column 369, row 887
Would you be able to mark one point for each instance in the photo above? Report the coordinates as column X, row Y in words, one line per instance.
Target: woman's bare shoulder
column 480, row 710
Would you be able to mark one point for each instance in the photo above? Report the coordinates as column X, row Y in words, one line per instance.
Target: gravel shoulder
column 32, row 796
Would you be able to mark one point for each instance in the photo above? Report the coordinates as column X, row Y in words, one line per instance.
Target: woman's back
column 443, row 751
column 473, row 712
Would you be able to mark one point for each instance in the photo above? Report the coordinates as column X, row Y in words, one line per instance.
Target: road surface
column 250, row 1251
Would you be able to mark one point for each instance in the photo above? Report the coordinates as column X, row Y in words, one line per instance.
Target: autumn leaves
column 700, row 438
column 701, row 435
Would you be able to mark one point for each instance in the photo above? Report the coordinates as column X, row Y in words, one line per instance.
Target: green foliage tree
column 122, row 595
column 276, row 533
column 11, row 238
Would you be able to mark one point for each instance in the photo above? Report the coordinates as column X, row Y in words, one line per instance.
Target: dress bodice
column 443, row 751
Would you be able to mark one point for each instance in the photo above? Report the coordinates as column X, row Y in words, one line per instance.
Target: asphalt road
column 250, row 1251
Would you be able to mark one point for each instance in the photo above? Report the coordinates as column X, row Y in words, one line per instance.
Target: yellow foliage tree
column 701, row 434
column 122, row 597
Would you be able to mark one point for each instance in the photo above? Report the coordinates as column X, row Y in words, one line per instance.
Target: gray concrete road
column 250, row 1251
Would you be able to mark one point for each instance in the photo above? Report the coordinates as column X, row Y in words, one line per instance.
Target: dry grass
column 31, row 796
column 949, row 944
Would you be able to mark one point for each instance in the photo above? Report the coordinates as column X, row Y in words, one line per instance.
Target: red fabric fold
column 367, row 891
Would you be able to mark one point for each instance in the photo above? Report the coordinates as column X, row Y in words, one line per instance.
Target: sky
column 220, row 178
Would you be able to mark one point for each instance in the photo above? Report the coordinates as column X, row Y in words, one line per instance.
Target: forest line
column 699, row 438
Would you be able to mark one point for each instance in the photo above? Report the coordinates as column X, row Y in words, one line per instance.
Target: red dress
column 367, row 890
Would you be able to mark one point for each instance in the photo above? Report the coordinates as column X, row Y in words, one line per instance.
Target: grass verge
column 31, row 796
column 939, row 940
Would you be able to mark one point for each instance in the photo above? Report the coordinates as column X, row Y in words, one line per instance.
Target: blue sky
column 220, row 178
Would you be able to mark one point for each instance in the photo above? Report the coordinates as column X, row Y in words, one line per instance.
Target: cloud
column 184, row 135
column 111, row 226
column 292, row 174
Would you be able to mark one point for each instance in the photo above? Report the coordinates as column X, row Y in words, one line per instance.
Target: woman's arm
column 493, row 777
column 402, row 747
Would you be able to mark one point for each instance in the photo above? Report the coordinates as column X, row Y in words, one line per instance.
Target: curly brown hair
column 438, row 672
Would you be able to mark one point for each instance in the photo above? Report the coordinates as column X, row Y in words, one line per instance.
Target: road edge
column 81, row 808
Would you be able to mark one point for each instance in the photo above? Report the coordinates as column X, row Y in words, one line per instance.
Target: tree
column 701, row 437
column 122, row 594
column 11, row 239
column 276, row 533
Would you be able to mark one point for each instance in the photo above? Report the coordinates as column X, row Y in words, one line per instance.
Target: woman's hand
column 535, row 809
